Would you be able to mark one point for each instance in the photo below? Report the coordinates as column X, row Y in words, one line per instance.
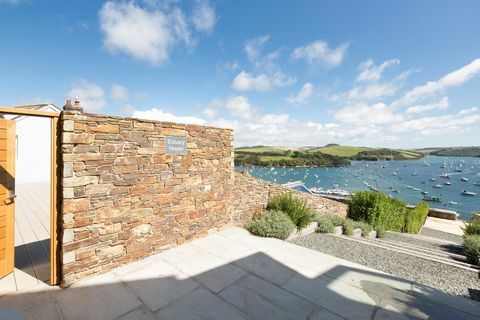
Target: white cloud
column 452, row 79
column 253, row 47
column 92, row 96
column 159, row 115
column 148, row 34
column 373, row 91
column 239, row 106
column 319, row 53
column 275, row 118
column 440, row 105
column 211, row 109
column 303, row 95
column 245, row 81
column 203, row 17
column 119, row 93
column 363, row 114
column 440, row 125
column 370, row 72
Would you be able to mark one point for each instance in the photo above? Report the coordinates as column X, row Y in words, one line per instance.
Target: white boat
column 464, row 179
column 453, row 202
column 447, row 183
column 432, row 179
column 468, row 193
column 445, row 176
column 477, row 183
column 438, row 186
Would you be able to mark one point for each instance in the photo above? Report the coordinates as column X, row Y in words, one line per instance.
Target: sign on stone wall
column 175, row 145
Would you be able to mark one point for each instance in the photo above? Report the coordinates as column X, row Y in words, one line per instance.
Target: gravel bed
column 437, row 275
column 457, row 249
column 441, row 235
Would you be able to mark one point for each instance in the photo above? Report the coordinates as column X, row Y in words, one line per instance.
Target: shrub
column 325, row 224
column 472, row 227
column 415, row 218
column 271, row 223
column 378, row 209
column 348, row 227
column 336, row 220
column 380, row 232
column 366, row 228
column 471, row 246
column 295, row 207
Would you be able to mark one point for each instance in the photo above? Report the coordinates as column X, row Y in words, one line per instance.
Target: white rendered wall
column 32, row 162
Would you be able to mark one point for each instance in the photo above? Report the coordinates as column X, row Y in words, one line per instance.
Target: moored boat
column 464, row 179
column 468, row 193
column 432, row 199
column 438, row 186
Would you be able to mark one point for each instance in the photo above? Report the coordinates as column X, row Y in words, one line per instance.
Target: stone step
column 424, row 238
column 448, row 261
column 413, row 247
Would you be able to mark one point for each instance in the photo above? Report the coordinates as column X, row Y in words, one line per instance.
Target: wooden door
column 7, row 196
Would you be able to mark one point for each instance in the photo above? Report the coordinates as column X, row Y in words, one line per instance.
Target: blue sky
column 376, row 73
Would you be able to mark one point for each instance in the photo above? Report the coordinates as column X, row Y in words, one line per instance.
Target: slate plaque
column 175, row 145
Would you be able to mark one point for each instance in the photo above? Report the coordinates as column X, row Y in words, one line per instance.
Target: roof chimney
column 68, row 105
column 77, row 107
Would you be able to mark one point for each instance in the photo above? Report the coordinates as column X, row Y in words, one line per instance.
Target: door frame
column 55, row 199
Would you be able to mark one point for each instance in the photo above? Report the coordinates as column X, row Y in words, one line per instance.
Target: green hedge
column 415, row 218
column 472, row 227
column 295, row 207
column 380, row 210
column 471, row 246
column 271, row 223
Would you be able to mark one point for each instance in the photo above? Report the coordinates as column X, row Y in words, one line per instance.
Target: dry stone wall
column 251, row 197
column 124, row 198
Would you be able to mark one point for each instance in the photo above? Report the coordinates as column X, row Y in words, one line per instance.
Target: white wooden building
column 32, row 162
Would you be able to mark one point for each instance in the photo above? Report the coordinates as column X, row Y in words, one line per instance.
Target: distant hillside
column 330, row 155
column 366, row 153
column 274, row 156
column 452, row 151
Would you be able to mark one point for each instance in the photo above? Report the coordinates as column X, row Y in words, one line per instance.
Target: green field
column 271, row 153
column 340, row 151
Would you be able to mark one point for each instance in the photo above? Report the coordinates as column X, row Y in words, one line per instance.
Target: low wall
column 124, row 198
column 250, row 196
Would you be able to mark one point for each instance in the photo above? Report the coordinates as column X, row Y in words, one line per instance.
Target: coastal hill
column 451, row 151
column 331, row 155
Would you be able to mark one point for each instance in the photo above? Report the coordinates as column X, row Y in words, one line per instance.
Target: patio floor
column 32, row 238
column 234, row 275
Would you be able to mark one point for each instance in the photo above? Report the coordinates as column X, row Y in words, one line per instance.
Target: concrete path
column 234, row 275
column 448, row 226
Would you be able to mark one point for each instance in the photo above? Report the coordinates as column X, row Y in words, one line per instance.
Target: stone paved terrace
column 234, row 275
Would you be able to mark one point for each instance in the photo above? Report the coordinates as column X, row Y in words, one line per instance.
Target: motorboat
column 477, row 183
column 453, row 202
column 432, row 199
column 438, row 186
column 445, row 176
column 432, row 179
column 447, row 183
column 464, row 179
column 468, row 193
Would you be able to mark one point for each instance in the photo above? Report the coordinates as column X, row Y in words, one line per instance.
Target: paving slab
column 159, row 284
column 102, row 297
column 200, row 304
column 260, row 299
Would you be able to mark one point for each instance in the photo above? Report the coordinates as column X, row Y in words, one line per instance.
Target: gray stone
column 102, row 297
column 260, row 299
column 266, row 268
column 200, row 304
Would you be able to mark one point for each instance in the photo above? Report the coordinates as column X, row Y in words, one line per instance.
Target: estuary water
column 408, row 177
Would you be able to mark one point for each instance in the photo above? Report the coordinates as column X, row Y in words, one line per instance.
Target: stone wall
column 250, row 196
column 124, row 198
